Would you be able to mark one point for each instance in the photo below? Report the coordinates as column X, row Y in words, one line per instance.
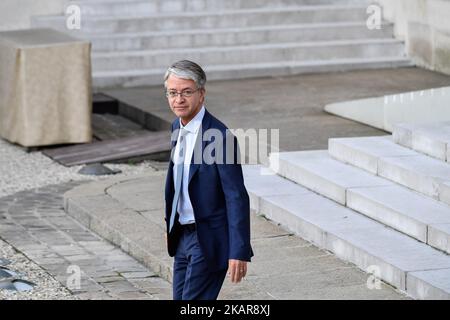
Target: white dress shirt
column 184, row 207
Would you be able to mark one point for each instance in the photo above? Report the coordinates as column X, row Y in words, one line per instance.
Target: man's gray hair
column 186, row 69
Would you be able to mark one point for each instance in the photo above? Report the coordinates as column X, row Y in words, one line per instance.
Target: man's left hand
column 237, row 270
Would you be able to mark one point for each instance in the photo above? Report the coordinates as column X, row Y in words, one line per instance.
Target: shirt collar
column 195, row 123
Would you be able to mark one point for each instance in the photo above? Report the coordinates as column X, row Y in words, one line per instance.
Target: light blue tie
column 179, row 177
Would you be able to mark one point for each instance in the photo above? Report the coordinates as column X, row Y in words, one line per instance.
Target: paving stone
column 153, row 285
column 119, row 286
column 42, row 260
column 132, row 295
column 429, row 284
column 94, row 296
column 106, row 279
column 89, row 286
column 76, row 258
column 56, row 269
column 137, row 275
column 101, row 273
column 163, row 295
column 56, row 242
column 67, row 250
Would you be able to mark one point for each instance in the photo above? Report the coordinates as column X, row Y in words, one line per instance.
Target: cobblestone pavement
column 46, row 288
column 35, row 224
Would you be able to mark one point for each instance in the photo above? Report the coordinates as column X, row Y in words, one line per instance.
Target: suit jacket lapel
column 175, row 126
column 195, row 165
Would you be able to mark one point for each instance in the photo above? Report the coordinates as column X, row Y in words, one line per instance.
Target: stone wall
column 425, row 26
column 16, row 14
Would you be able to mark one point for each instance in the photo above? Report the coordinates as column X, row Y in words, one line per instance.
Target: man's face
column 184, row 107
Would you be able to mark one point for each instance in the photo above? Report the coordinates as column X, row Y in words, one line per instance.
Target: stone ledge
column 104, row 215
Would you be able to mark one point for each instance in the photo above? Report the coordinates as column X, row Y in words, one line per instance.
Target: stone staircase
column 382, row 203
column 135, row 41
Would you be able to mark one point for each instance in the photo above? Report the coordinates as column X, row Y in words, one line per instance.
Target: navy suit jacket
column 219, row 199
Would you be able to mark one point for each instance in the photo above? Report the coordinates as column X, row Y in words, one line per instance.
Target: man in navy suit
column 207, row 205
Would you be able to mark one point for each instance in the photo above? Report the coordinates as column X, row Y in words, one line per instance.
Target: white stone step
column 400, row 208
column 262, row 53
column 264, row 182
column 432, row 139
column 431, row 285
column 319, row 172
column 146, row 7
column 396, row 163
column 149, row 77
column 358, row 151
column 407, row 211
column 210, row 20
column 124, row 8
column 236, row 36
column 354, row 237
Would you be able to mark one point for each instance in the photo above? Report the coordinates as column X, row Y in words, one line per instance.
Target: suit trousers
column 192, row 279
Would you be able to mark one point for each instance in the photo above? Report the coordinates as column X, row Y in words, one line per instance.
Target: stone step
column 210, row 20
column 400, row 208
column 262, row 53
column 236, row 36
column 319, row 172
column 358, row 151
column 411, row 266
column 141, row 7
column 122, row 8
column 431, row 138
column 151, row 77
column 404, row 210
column 381, row 155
